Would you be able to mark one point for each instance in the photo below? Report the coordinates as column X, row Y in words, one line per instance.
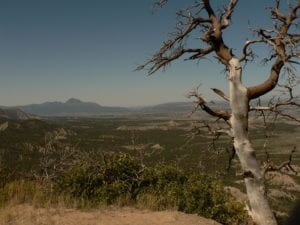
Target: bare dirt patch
column 152, row 126
column 29, row 215
column 284, row 181
column 240, row 196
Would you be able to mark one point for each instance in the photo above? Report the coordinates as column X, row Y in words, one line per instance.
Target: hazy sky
column 52, row 50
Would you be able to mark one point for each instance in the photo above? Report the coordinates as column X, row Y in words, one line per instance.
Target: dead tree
column 55, row 157
column 283, row 39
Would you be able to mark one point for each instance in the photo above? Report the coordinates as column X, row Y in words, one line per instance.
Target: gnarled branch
column 201, row 103
column 191, row 19
column 281, row 41
column 270, row 166
column 221, row 93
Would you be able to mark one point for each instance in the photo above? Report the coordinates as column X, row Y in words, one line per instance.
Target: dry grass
column 275, row 194
column 28, row 215
column 235, row 192
column 284, row 181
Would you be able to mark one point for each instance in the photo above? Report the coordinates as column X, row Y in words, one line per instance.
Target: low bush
column 121, row 179
column 80, row 181
column 102, row 182
column 205, row 196
column 161, row 187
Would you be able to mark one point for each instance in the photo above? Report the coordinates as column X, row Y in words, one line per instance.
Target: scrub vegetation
column 91, row 163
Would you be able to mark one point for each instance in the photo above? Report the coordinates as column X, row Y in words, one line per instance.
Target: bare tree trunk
column 254, row 178
column 284, row 43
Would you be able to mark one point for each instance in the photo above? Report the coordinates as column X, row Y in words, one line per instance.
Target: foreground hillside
column 28, row 215
column 157, row 162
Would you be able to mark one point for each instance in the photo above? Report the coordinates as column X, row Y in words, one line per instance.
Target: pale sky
column 52, row 50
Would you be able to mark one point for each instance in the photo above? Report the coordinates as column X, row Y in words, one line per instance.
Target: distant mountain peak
column 72, row 107
column 73, row 101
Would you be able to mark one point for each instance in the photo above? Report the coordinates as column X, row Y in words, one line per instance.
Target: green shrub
column 123, row 173
column 111, row 193
column 205, row 196
column 102, row 182
column 161, row 186
column 81, row 181
column 121, row 178
column 167, row 186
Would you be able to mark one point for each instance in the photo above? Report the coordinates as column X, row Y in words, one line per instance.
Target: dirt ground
column 29, row 215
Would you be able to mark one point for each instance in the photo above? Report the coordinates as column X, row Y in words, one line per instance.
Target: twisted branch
column 283, row 45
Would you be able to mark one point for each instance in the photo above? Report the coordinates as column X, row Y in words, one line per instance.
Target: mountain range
column 76, row 107
column 72, row 107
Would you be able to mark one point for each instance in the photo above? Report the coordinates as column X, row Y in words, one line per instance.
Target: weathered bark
column 254, row 178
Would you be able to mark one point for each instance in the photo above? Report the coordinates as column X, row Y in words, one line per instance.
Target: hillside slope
column 14, row 114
